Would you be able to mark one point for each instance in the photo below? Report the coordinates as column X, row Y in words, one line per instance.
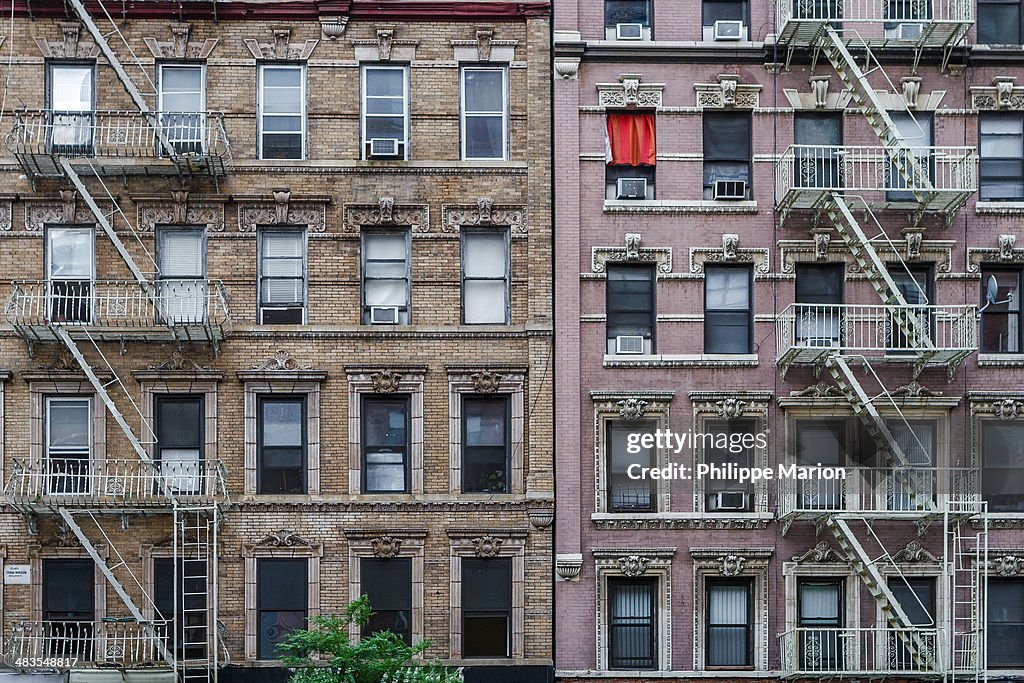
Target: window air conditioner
column 629, row 344
column 383, row 147
column 730, row 189
column 729, row 500
column 908, row 31
column 631, row 188
column 728, row 30
column 383, row 315
column 629, row 31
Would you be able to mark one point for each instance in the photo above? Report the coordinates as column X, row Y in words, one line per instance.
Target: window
column 385, row 444
column 820, row 289
column 730, row 638
column 484, row 112
column 727, row 156
column 912, row 489
column 70, row 271
column 181, row 258
column 485, row 444
column 1006, row 623
column 385, row 112
column 916, row 131
column 723, row 494
column 282, row 276
column 282, row 111
column 69, row 607
column 632, row 155
column 724, row 10
column 182, row 103
column 632, row 623
column 71, row 95
column 728, row 310
column 915, row 284
column 630, row 309
column 626, row 494
column 281, row 444
column 630, row 13
column 485, row 277
column 1001, row 173
column 917, row 598
column 820, row 156
column 388, row 584
column 281, row 602
column 186, row 612
column 999, row 22
column 820, row 441
column 386, row 277
column 1002, row 457
column 69, row 444
column 1000, row 318
column 180, row 439
column 486, row 607
column 820, row 613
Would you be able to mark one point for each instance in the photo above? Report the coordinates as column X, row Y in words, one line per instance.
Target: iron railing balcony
column 113, row 485
column 885, row 23
column 121, row 310
column 806, row 174
column 119, row 143
column 878, row 651
column 65, row 645
column 805, row 333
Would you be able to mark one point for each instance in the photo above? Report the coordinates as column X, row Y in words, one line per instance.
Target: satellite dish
column 991, row 290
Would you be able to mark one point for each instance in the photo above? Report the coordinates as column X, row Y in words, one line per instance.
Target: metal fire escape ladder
column 966, row 561
column 195, row 533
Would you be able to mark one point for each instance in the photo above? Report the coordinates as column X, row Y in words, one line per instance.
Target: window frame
column 79, row 479
column 88, row 115
column 201, row 67
column 507, row 613
column 303, row 399
column 649, row 24
column 158, row 401
column 703, row 14
column 365, row 400
column 505, row 110
column 468, row 399
column 749, row 627
column 1009, row 315
column 406, row 141
column 260, row 599
column 1020, row 20
column 654, row 589
column 709, row 313
column 994, row 508
column 996, row 116
column 653, row 279
column 709, row 116
column 466, row 233
column 609, row 425
column 261, row 232
column 988, row 621
column 261, row 67
column 364, row 563
column 363, row 251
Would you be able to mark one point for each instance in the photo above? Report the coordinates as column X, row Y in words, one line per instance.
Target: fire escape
column 96, row 500
column 848, row 185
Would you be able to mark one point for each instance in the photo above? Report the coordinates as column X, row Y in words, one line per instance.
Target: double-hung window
column 724, row 494
column 819, row 293
column 626, row 493
column 728, row 309
column 281, row 602
column 917, row 170
column 1002, row 460
column 181, row 257
column 385, row 110
column 70, row 271
column 1005, row 623
column 388, row 585
column 281, row 444
column 485, row 277
column 484, row 112
column 485, row 444
column 999, row 22
column 69, row 608
column 71, row 95
column 1000, row 317
column 916, row 596
column 727, row 14
column 632, row 155
column 632, row 623
column 69, row 444
column 1001, row 142
column 911, row 490
column 824, row 442
column 820, row 617
column 386, row 277
column 628, row 19
column 182, row 101
column 184, row 606
column 282, row 276
column 180, row 439
column 727, row 156
column 730, row 626
column 486, row 607
column 819, row 152
column 282, row 111
column 386, row 444
column 630, row 309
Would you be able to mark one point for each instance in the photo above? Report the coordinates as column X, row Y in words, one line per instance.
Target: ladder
column 195, row 534
column 965, row 530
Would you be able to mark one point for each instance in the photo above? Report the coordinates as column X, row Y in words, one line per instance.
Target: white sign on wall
column 17, row 574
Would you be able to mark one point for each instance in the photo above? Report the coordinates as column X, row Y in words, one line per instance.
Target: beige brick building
column 314, row 283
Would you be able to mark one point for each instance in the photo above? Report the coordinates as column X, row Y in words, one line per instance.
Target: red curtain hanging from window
column 631, row 139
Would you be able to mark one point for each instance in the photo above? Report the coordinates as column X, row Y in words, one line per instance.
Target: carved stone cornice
column 281, row 48
column 70, row 47
column 730, row 252
column 281, row 366
column 914, row 552
column 284, row 538
column 281, row 209
column 179, row 47
column 728, row 93
column 179, row 209
column 1004, row 252
column 6, row 215
column 822, row 552
column 630, row 92
column 386, row 213
column 732, row 404
column 1002, row 94
column 484, row 212
column 632, row 252
column 824, row 247
column 707, row 523
column 1001, row 405
column 67, row 210
column 385, row 46
column 485, row 47
column 1007, row 565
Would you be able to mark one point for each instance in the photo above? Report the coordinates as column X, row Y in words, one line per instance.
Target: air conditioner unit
column 629, row 344
column 909, row 31
column 383, row 315
column 729, row 500
column 629, row 31
column 383, row 147
column 728, row 30
column 631, row 188
column 730, row 189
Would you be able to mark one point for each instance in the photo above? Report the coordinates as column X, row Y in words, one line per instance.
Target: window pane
column 282, row 77
column 727, row 288
column 624, row 493
column 999, row 23
column 724, row 10
column 388, row 584
column 281, row 101
column 385, row 293
column 385, row 247
column 917, row 599
column 1003, row 462
column 486, row 584
column 484, row 255
column 484, row 137
column 485, row 421
column 68, row 423
column 70, row 253
column 178, row 422
column 819, row 284
column 728, row 624
column 484, row 301
column 392, row 127
column 274, row 126
column 380, row 82
column 484, row 90
column 630, row 301
column 282, row 146
column 820, row 604
column 181, row 253
column 385, row 422
column 726, row 137
column 282, row 422
column 71, row 88
column 627, row 12
column 631, row 617
column 1006, row 623
column 68, row 587
column 276, row 244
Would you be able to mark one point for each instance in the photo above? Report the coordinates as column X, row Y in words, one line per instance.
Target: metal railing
column 874, row 329
column 890, row 491
column 122, row 134
column 887, row 11
column 65, row 645
column 82, row 483
column 817, row 651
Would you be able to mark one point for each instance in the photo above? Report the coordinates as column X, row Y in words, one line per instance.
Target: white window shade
column 181, row 254
column 485, row 255
column 728, row 288
column 71, row 88
column 70, row 253
column 819, row 602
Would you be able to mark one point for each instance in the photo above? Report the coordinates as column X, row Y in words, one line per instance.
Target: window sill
column 1001, row 360
column 697, row 360
column 678, row 207
column 999, row 208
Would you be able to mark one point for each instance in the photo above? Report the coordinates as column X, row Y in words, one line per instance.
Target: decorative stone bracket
column 385, row 46
column 1002, row 94
column 454, row 216
column 40, row 212
column 385, row 212
column 180, row 209
column 632, row 253
column 70, row 47
column 283, row 210
column 485, row 48
column 178, row 46
column 729, row 253
column 1005, row 252
column 728, row 93
column 630, row 92
column 281, row 48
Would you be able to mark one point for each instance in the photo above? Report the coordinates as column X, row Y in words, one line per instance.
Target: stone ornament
column 730, row 408
column 730, row 242
column 914, row 552
column 40, row 212
column 819, row 89
column 1002, row 94
column 632, row 253
column 281, row 209
column 6, row 213
column 821, row 552
column 177, row 362
column 486, row 546
column 633, row 245
column 540, row 517
column 69, row 47
column 282, row 360
column 385, row 547
column 281, row 48
column 729, row 252
column 630, row 91
column 731, row 565
column 180, row 210
column 387, row 212
column 1007, row 408
column 567, row 68
column 385, row 381
column 178, row 46
column 486, row 382
column 284, row 538
column 568, row 568
column 633, row 565
column 911, row 87
column 915, row 390
column 632, row 408
column 333, row 28
column 822, row 239
column 727, row 93
column 914, row 239
column 1008, row 565
column 485, row 212
column 1006, row 243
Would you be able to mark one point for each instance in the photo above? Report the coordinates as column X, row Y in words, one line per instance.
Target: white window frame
column 364, row 278
column 468, row 233
column 504, row 111
column 259, row 106
column 202, row 95
column 261, row 231
column 364, row 141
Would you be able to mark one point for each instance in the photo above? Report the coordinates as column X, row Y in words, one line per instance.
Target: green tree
column 324, row 653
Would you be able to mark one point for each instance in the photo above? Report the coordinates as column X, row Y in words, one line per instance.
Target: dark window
column 727, row 151
column 485, row 444
column 1002, row 457
column 485, row 277
column 820, row 289
column 728, row 309
column 282, row 276
column 917, row 598
column 281, row 601
column 724, row 10
column 282, row 107
column 724, row 494
column 388, row 584
column 1001, row 143
column 630, row 307
column 385, row 444
column 820, row 613
column 386, row 277
column 179, row 447
column 632, row 623
column 1006, row 623
column 999, row 22
column 915, row 284
column 626, row 494
column 69, row 608
column 820, row 441
column 187, row 611
column 486, row 607
column 916, row 131
column 627, row 12
column 69, row 444
column 71, row 92
column 730, row 627
column 820, row 156
column 1000, row 319
column 281, row 444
